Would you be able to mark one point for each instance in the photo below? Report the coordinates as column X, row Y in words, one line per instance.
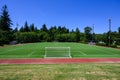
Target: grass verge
column 61, row 72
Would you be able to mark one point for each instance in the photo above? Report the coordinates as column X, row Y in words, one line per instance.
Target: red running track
column 59, row 60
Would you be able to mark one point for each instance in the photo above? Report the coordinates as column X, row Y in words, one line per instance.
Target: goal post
column 57, row 52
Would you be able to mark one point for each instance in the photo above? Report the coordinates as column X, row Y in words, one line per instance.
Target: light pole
column 93, row 33
column 109, row 37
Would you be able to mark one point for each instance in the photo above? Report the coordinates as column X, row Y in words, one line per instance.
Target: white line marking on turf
column 6, row 51
column 80, row 52
column 107, row 52
column 31, row 54
column 97, row 55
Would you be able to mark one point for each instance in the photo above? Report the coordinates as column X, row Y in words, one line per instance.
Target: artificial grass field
column 88, row 71
column 37, row 50
column 82, row 71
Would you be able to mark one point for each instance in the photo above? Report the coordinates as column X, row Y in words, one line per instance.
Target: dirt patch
column 10, row 45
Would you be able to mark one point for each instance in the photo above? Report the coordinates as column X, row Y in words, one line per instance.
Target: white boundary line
column 31, row 54
column 96, row 55
column 57, row 47
column 70, row 53
column 57, row 57
column 9, row 50
column 106, row 52
column 80, row 52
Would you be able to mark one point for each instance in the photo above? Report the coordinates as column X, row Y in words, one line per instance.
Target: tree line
column 30, row 33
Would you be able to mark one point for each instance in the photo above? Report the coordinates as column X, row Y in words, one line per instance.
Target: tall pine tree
column 32, row 27
column 119, row 30
column 5, row 21
column 26, row 27
column 44, row 28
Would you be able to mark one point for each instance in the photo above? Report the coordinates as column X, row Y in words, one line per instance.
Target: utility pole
column 93, row 33
column 17, row 25
column 17, row 32
column 109, row 37
column 93, row 28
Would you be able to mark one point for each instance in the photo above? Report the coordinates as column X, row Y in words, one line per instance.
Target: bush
column 66, row 37
column 29, row 37
column 1, row 43
column 101, row 44
column 118, row 46
column 5, row 37
column 113, row 45
column 26, row 37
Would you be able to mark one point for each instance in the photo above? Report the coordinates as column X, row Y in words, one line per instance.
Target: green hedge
column 101, row 44
column 113, row 45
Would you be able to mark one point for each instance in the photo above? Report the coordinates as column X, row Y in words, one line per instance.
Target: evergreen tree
column 64, row 30
column 59, row 29
column 53, row 33
column 72, row 31
column 36, row 29
column 77, row 35
column 26, row 27
column 15, row 30
column 119, row 30
column 22, row 29
column 118, row 38
column 5, row 21
column 32, row 27
column 44, row 28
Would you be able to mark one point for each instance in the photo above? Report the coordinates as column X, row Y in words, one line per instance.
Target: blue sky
column 69, row 13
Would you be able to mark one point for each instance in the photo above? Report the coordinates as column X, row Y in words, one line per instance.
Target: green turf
column 61, row 72
column 37, row 50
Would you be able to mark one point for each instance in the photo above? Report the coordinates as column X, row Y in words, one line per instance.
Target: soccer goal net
column 57, row 52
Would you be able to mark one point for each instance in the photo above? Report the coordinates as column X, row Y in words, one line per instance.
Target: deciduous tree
column 77, row 35
column 88, row 35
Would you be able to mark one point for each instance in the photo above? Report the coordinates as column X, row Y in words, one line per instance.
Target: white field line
column 111, row 53
column 96, row 55
column 57, row 57
column 44, row 56
column 80, row 52
column 31, row 54
column 57, row 51
column 106, row 52
column 9, row 50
